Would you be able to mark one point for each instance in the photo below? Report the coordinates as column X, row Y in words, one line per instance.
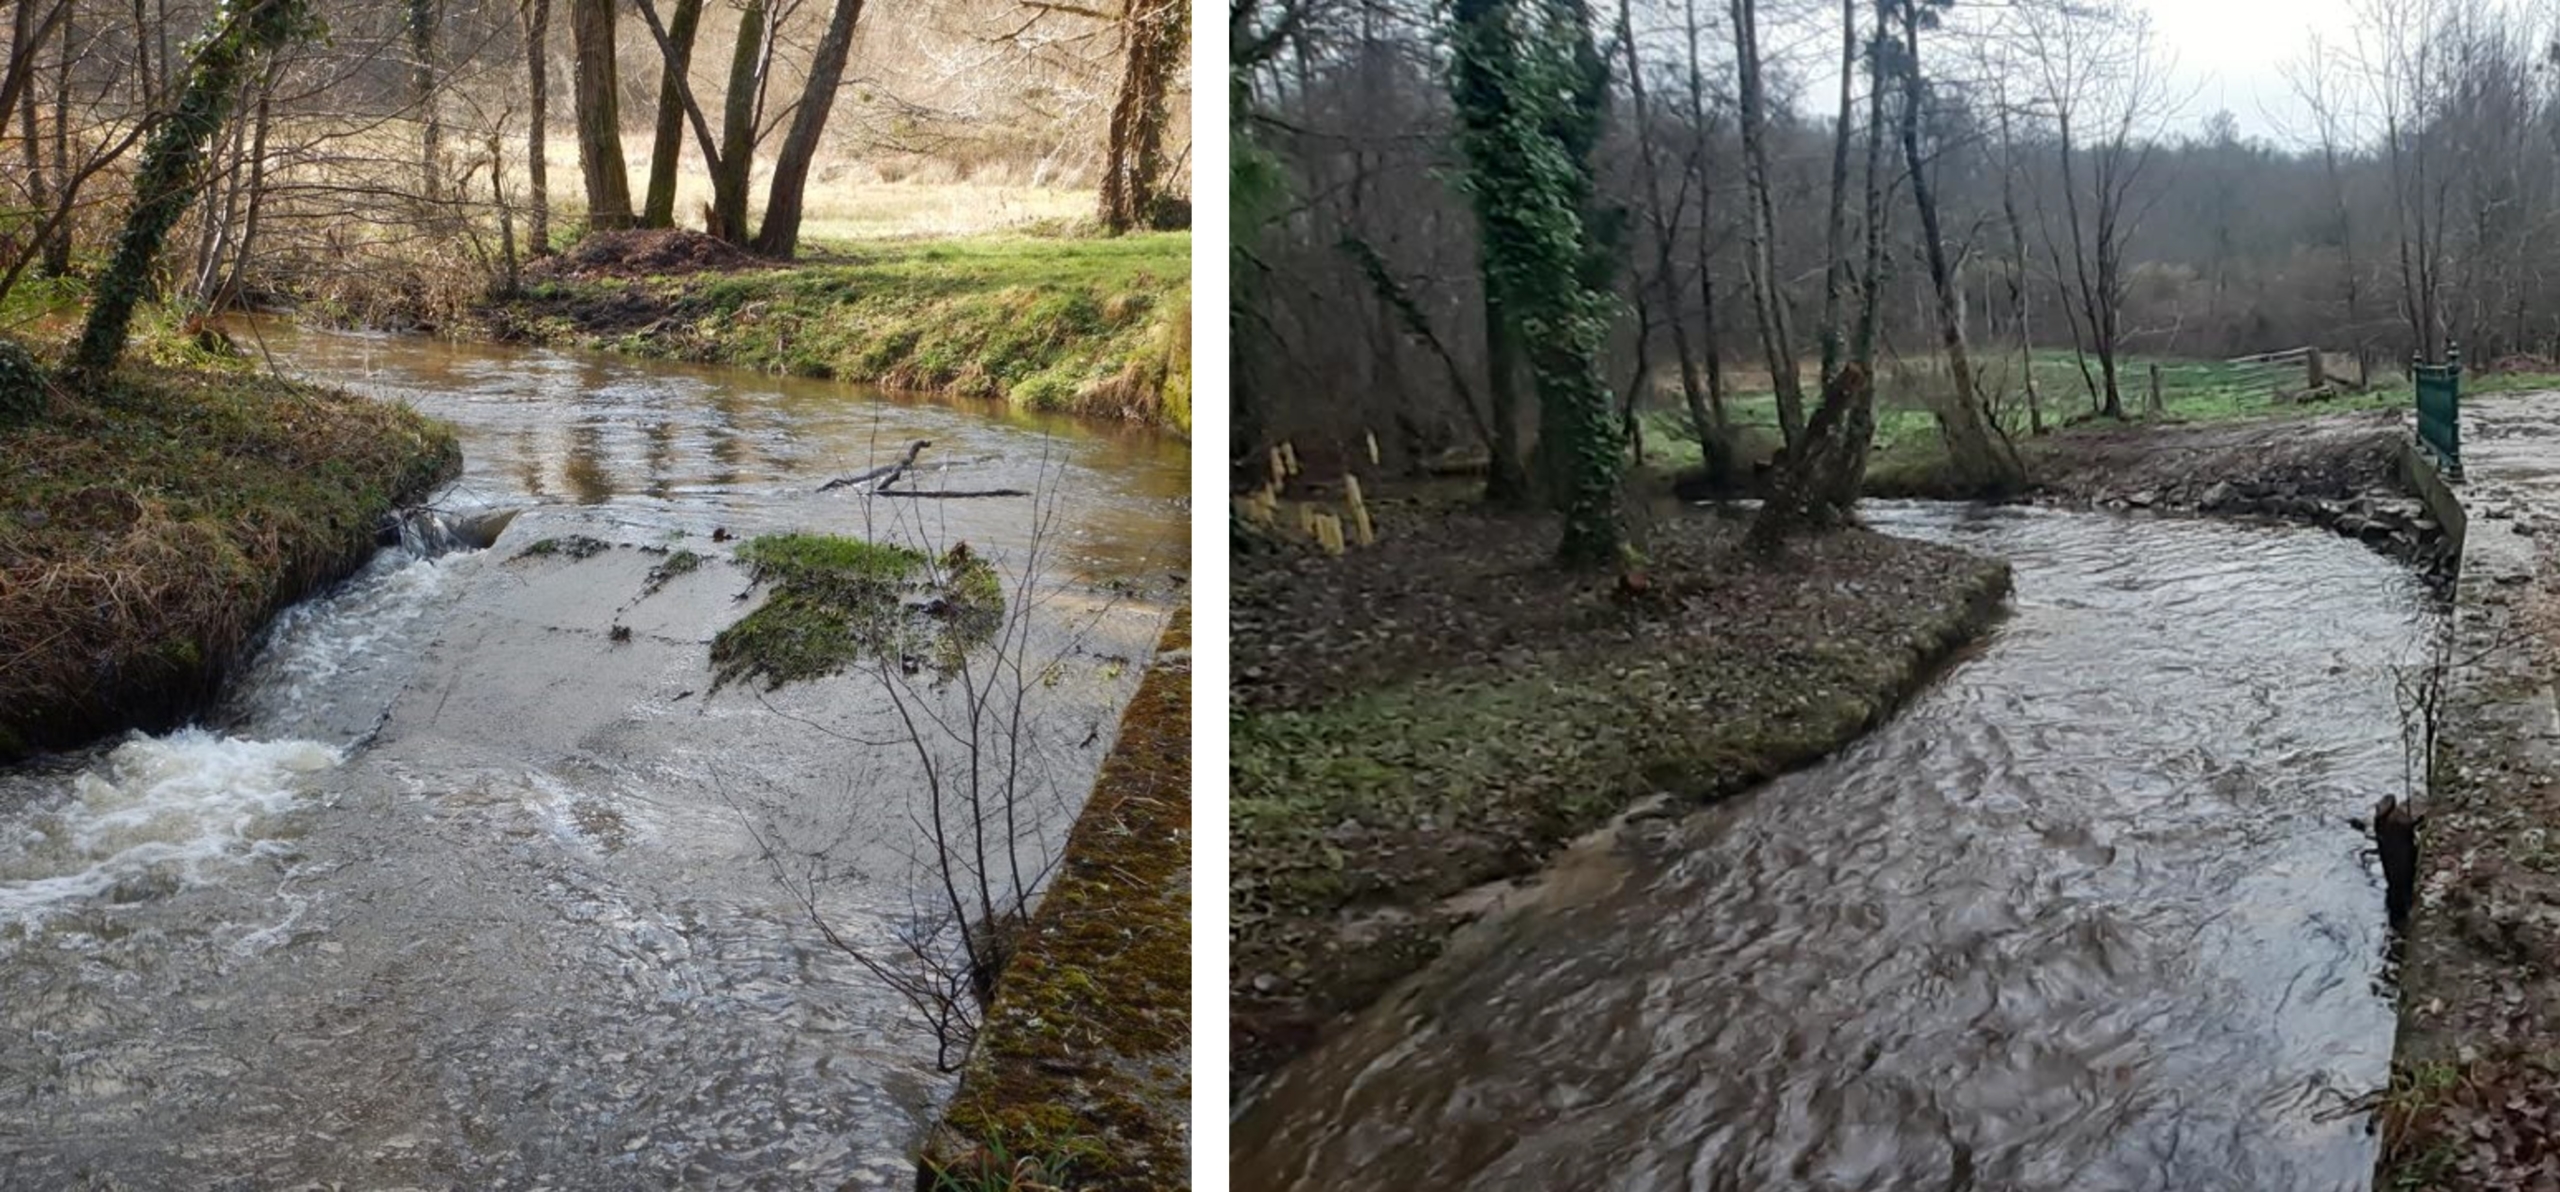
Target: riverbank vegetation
column 1443, row 711
column 1082, row 1071
column 151, row 523
column 424, row 166
column 154, row 512
column 1086, row 325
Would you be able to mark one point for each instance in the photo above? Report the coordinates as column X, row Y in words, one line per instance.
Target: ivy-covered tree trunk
column 1522, row 82
column 237, row 35
column 1153, row 33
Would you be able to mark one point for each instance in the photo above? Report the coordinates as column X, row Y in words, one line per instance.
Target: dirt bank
column 1415, row 720
column 2336, row 471
column 1099, row 327
column 2476, row 1077
column 149, row 530
column 1083, row 1070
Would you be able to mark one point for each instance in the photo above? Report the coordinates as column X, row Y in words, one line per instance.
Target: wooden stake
column 1359, row 509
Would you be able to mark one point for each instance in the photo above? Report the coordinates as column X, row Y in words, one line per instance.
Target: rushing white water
column 153, row 813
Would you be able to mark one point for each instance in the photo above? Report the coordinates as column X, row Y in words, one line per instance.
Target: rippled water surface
column 455, row 890
column 2088, row 914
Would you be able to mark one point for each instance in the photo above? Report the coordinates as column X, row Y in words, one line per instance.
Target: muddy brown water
column 2088, row 914
column 455, row 889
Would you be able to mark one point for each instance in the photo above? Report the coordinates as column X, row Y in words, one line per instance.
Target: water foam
column 153, row 811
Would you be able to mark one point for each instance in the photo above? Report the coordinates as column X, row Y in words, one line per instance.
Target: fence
column 2277, row 374
column 2440, row 409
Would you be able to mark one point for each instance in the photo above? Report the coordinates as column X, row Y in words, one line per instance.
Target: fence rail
column 2292, row 370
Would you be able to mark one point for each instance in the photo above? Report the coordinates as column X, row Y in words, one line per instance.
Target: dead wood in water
column 885, row 475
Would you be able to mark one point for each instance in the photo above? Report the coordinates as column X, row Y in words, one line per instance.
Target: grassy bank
column 148, row 530
column 1088, row 325
column 1441, row 711
column 1910, row 460
column 1081, row 1075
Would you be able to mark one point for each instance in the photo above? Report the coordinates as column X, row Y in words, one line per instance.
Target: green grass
column 2192, row 391
column 1089, row 325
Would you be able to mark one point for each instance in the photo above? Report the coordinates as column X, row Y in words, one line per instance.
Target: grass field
column 2191, row 390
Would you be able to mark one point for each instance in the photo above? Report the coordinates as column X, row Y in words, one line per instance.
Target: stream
column 465, row 882
column 2089, row 913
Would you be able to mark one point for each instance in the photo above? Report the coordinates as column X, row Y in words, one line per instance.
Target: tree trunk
column 57, row 247
column 1715, row 451
column 1506, row 477
column 1133, row 158
column 1862, row 344
column 25, row 44
column 1767, row 287
column 422, row 91
column 1818, row 488
column 537, row 59
column 779, row 236
column 1835, row 273
column 599, row 116
column 658, row 210
column 730, row 174
column 1983, row 463
column 1716, row 443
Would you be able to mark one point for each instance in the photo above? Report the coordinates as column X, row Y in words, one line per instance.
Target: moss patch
column 1082, row 1071
column 836, row 601
column 1098, row 327
column 578, row 547
column 1446, row 710
column 147, row 531
column 677, row 563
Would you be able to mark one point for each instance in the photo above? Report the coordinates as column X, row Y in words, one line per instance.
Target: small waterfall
column 426, row 532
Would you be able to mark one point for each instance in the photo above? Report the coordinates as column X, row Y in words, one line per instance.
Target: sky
column 2231, row 55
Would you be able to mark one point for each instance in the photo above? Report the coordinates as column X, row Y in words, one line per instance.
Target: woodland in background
column 433, row 147
column 1932, row 191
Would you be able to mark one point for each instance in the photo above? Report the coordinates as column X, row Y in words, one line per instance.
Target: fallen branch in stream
column 950, row 493
column 881, row 477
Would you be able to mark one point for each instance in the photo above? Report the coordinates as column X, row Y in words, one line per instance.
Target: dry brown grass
column 148, row 530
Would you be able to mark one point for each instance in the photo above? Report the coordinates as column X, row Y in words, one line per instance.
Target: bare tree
column 1768, row 286
column 599, row 116
column 1982, row 459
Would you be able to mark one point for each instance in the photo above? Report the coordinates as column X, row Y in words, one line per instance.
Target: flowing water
column 2088, row 914
column 457, row 888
